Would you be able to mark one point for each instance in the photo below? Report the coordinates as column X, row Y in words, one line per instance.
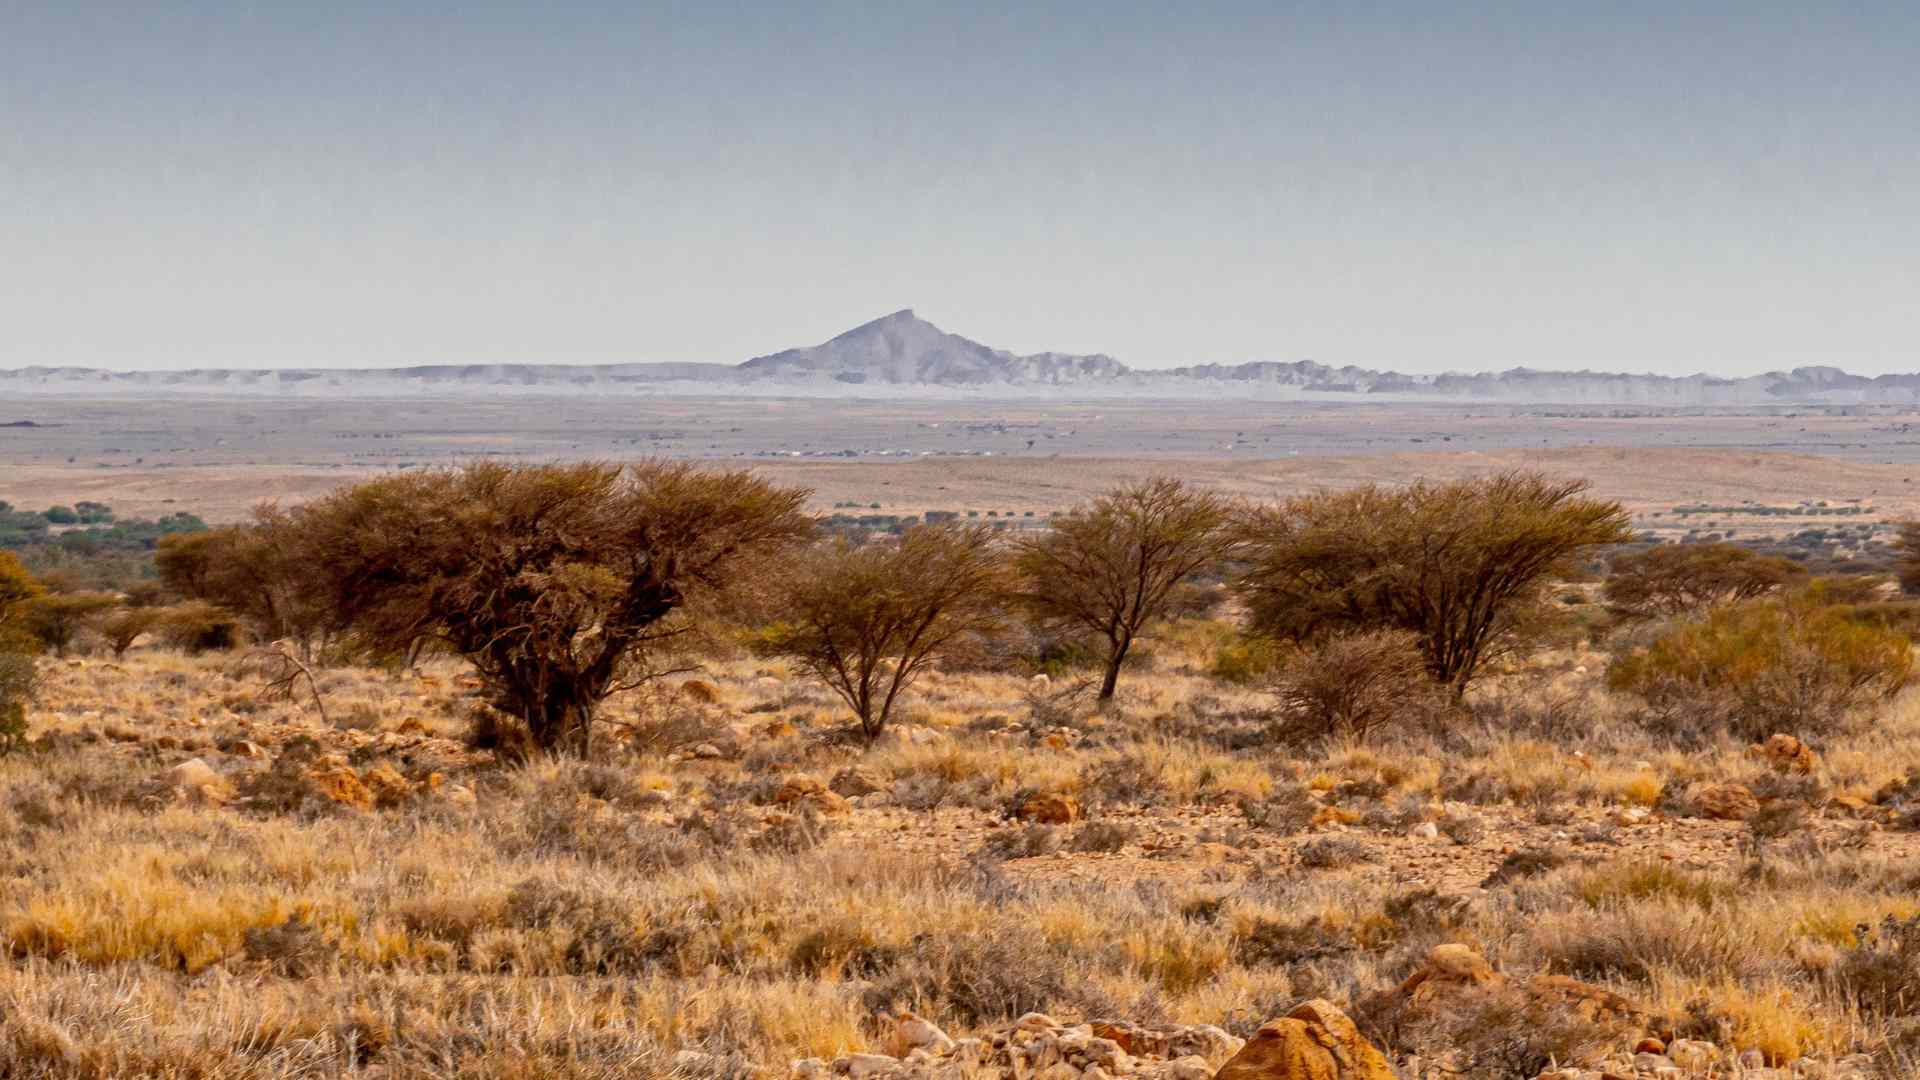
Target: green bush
column 1245, row 661
column 1763, row 666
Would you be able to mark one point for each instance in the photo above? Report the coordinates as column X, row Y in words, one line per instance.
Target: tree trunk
column 1112, row 678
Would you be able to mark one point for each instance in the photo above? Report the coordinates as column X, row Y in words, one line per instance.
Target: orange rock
column 1049, row 809
column 1787, row 754
column 700, row 692
column 336, row 782
column 1725, row 802
column 805, row 790
column 386, row 786
column 1316, row 1041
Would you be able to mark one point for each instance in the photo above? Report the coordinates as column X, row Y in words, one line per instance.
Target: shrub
column 57, row 618
column 1111, row 567
column 1460, row 565
column 198, row 626
column 1677, row 579
column 866, row 620
column 1245, row 660
column 1765, row 666
column 1351, row 684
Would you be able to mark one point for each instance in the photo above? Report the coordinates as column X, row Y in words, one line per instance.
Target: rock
column 861, row 1065
column 807, row 1069
column 1650, row 1045
column 1040, row 682
column 1037, row 1022
column 857, row 780
column 1426, row 830
column 387, row 786
column 1094, row 1072
column 1059, row 1070
column 1048, row 809
column 458, row 795
column 335, row 781
column 195, row 779
column 1693, row 1055
column 1652, row 1062
column 1447, row 965
column 1191, row 1067
column 807, row 791
column 912, row 1032
column 1206, row 1041
column 778, row 728
column 1316, row 1041
column 1591, row 1003
column 700, row 692
column 907, row 735
column 1724, row 802
column 242, row 748
column 1784, row 753
column 708, row 751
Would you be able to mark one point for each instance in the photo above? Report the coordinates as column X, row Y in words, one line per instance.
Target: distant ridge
column 903, row 355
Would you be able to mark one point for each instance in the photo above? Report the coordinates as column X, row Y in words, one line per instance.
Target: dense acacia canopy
column 556, row 581
column 1457, row 564
column 1674, row 579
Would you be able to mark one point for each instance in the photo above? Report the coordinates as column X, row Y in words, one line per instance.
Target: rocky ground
column 1011, row 883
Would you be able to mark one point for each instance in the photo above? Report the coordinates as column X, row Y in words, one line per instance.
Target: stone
column 1316, row 1041
column 1035, row 1021
column 1724, row 802
column 1191, row 1067
column 387, row 786
column 808, row 791
column 1206, row 1041
column 1784, row 753
column 335, row 781
column 857, row 780
column 1049, row 809
column 1693, row 1055
column 861, row 1065
column 1426, row 830
column 1451, row 964
column 912, row 1032
column 1652, row 1062
column 242, row 748
column 195, row 779
column 807, row 1069
column 700, row 692
column 1650, row 1045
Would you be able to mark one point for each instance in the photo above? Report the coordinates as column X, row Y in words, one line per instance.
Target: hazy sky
column 1424, row 186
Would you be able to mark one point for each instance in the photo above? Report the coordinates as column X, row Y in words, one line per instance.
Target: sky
column 1431, row 186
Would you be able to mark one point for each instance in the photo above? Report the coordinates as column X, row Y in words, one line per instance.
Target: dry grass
column 589, row 920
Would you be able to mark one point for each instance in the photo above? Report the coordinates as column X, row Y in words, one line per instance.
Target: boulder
column 194, row 779
column 857, row 780
column 912, row 1032
column 1724, row 802
column 386, row 786
column 700, row 692
column 1316, row 1041
column 335, row 781
column 808, row 791
column 1048, row 808
column 1784, row 753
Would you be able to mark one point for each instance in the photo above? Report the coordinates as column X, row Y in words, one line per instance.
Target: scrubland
column 738, row 875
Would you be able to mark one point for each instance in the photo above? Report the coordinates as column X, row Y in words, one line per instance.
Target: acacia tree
column 18, row 590
column 1457, row 564
column 1111, row 567
column 260, row 572
column 1674, row 579
column 57, row 618
column 557, row 581
column 868, row 619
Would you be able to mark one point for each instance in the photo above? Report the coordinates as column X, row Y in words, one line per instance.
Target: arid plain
column 1553, row 887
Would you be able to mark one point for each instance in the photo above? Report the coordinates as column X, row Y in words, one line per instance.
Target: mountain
column 903, row 349
column 903, row 355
